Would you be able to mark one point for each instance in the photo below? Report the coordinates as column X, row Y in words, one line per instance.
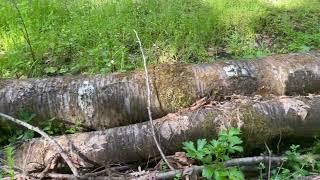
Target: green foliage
column 74, row 128
column 316, row 146
column 163, row 166
column 10, row 161
column 212, row 154
column 296, row 165
column 177, row 176
column 52, row 127
column 10, row 133
column 93, row 36
column 261, row 168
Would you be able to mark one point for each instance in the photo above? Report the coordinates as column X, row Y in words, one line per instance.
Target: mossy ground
column 96, row 36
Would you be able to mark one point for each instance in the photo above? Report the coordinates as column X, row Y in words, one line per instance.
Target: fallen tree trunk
column 120, row 99
column 260, row 122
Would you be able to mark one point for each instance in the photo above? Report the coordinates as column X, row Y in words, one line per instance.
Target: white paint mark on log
column 85, row 101
column 244, row 72
column 234, row 71
column 231, row 70
column 299, row 107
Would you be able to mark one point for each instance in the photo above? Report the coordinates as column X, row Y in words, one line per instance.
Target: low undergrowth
column 96, row 36
column 211, row 155
column 11, row 134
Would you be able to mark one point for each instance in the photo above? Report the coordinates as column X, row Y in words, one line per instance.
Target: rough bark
column 105, row 101
column 260, row 121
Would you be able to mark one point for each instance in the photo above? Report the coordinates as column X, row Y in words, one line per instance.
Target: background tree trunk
column 260, row 121
column 105, row 101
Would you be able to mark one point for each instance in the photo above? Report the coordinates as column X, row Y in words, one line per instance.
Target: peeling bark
column 260, row 121
column 105, row 101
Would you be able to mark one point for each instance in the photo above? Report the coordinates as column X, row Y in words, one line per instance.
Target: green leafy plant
column 53, row 127
column 163, row 166
column 212, row 154
column 261, row 168
column 10, row 161
column 10, row 134
column 297, row 165
column 22, row 134
column 74, row 128
column 316, row 146
column 177, row 176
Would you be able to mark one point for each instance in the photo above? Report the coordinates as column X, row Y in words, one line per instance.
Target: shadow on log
column 260, row 121
column 105, row 101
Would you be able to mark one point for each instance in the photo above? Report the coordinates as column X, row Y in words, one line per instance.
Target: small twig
column 25, row 32
column 249, row 161
column 19, row 176
column 269, row 166
column 46, row 136
column 278, row 144
column 198, row 104
column 279, row 169
column 52, row 162
column 149, row 103
column 94, row 174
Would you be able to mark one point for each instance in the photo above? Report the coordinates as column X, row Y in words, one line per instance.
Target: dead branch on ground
column 47, row 137
column 149, row 103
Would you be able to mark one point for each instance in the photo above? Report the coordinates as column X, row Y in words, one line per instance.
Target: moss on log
column 260, row 121
column 105, row 101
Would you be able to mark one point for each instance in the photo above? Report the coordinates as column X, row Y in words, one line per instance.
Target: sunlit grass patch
column 96, row 36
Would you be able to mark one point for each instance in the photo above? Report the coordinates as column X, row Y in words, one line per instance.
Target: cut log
column 260, row 121
column 105, row 101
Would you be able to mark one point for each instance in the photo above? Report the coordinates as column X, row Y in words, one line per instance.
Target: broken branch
column 149, row 104
column 47, row 137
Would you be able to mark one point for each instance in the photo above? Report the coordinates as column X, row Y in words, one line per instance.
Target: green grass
column 96, row 36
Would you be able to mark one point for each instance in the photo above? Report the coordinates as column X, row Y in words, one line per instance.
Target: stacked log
column 259, row 120
column 115, row 107
column 106, row 101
